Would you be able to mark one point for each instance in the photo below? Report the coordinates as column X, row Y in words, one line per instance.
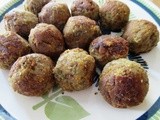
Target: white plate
column 89, row 104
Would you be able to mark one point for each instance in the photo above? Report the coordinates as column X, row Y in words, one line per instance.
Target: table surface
column 156, row 2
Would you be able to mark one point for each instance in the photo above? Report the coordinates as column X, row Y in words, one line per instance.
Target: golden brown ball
column 142, row 36
column 20, row 22
column 107, row 48
column 31, row 75
column 55, row 13
column 123, row 83
column 114, row 15
column 74, row 70
column 35, row 6
column 12, row 46
column 79, row 31
column 46, row 39
column 86, row 8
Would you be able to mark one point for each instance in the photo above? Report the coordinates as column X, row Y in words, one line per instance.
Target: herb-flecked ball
column 86, row 8
column 35, row 6
column 74, row 70
column 55, row 13
column 46, row 39
column 79, row 31
column 114, row 15
column 20, row 22
column 31, row 75
column 142, row 36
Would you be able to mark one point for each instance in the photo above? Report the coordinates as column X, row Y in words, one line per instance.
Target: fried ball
column 12, row 46
column 86, row 8
column 79, row 31
column 20, row 22
column 123, row 83
column 142, row 36
column 55, row 13
column 35, row 6
column 107, row 48
column 74, row 70
column 31, row 75
column 114, row 15
column 46, row 39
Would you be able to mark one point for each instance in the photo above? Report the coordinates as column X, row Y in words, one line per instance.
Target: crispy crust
column 12, row 46
column 31, row 75
column 123, row 83
column 107, row 48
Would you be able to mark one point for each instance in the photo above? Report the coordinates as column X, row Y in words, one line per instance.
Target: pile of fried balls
column 48, row 44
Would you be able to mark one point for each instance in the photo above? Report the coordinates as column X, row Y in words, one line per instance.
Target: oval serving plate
column 87, row 104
